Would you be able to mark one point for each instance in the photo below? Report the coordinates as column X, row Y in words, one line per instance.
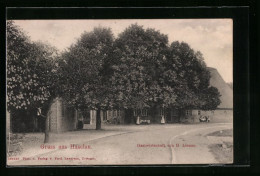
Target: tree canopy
column 139, row 56
column 29, row 70
column 192, row 81
column 148, row 71
column 31, row 74
column 138, row 69
column 84, row 69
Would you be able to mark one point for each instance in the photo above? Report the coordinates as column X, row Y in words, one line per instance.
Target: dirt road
column 144, row 144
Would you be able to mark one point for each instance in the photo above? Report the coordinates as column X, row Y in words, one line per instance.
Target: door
column 173, row 116
column 86, row 116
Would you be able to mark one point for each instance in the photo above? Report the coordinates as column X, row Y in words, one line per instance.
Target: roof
column 225, row 91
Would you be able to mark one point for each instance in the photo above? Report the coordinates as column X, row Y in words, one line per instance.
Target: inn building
column 65, row 118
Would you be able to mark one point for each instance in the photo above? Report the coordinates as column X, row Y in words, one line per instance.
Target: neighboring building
column 154, row 115
column 8, row 123
column 224, row 112
column 113, row 116
column 62, row 117
column 110, row 116
column 225, row 91
column 65, row 118
column 148, row 115
column 24, row 121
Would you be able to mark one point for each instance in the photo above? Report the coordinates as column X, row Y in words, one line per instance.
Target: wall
column 111, row 114
column 216, row 116
column 153, row 114
column 62, row 118
column 53, row 116
column 66, row 117
column 8, row 124
column 222, row 116
column 93, row 117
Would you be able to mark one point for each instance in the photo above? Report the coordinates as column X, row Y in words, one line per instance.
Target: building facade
column 62, row 117
column 224, row 112
column 65, row 118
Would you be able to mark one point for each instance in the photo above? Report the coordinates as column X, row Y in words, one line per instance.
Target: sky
column 212, row 37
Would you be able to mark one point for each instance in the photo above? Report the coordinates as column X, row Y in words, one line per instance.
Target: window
column 119, row 113
column 199, row 113
column 174, row 112
column 115, row 113
column 71, row 112
column 109, row 113
column 161, row 111
column 104, row 115
column 188, row 112
column 144, row 112
column 135, row 112
column 63, row 109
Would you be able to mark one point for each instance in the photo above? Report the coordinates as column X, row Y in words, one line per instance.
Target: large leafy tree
column 191, row 78
column 148, row 72
column 85, row 67
column 30, row 73
column 139, row 54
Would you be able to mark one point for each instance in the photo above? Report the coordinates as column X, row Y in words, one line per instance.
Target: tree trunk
column 46, row 133
column 98, row 120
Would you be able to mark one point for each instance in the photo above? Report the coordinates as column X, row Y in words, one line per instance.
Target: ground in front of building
column 124, row 144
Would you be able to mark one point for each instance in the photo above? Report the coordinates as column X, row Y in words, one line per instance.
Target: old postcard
column 119, row 92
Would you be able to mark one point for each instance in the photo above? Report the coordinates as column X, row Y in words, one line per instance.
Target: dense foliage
column 138, row 69
column 30, row 68
column 85, row 71
column 139, row 56
column 31, row 75
column 192, row 78
column 147, row 72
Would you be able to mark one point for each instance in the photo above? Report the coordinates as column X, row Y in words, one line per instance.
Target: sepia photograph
column 119, row 92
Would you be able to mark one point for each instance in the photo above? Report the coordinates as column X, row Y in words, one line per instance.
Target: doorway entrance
column 173, row 116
